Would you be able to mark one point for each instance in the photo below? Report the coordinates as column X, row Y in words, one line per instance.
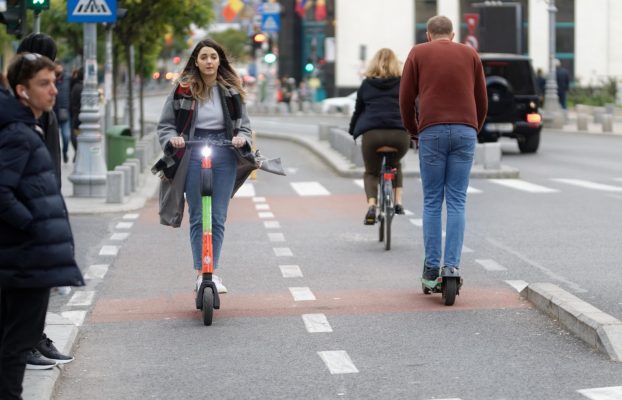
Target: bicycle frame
column 386, row 203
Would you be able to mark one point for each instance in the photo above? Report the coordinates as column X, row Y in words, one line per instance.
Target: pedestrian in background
column 75, row 103
column 377, row 119
column 61, row 108
column 447, row 79
column 36, row 243
column 207, row 103
column 563, row 83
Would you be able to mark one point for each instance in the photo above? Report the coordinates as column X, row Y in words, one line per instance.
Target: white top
column 209, row 114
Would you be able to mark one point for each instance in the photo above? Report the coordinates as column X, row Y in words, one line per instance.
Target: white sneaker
column 197, row 284
column 221, row 288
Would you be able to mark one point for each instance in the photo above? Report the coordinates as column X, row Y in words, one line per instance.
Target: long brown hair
column 225, row 76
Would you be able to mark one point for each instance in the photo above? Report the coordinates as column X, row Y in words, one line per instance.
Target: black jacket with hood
column 36, row 243
column 377, row 106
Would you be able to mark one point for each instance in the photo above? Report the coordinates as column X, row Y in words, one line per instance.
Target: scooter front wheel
column 208, row 306
column 450, row 289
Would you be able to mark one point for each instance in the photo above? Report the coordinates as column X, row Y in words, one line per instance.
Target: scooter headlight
column 206, row 151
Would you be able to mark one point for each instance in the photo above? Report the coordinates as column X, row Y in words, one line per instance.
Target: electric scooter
column 447, row 284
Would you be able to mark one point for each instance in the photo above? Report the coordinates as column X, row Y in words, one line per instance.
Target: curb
column 40, row 384
column 595, row 327
column 343, row 167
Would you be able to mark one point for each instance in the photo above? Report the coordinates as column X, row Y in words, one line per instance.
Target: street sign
column 270, row 22
column 472, row 20
column 91, row 10
column 472, row 41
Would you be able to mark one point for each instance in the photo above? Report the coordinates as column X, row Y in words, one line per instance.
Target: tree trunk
column 141, row 68
column 130, row 85
column 115, row 82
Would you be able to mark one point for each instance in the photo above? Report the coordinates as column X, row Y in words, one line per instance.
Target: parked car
column 513, row 101
column 339, row 104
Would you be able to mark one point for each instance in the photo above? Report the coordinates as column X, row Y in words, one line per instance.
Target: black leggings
column 374, row 139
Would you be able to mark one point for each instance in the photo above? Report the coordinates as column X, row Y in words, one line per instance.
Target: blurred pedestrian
column 447, row 79
column 61, row 108
column 377, row 119
column 563, row 83
column 208, row 104
column 75, row 103
column 36, row 243
column 541, row 84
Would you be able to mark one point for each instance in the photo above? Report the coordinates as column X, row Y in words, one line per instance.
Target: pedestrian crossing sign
column 270, row 23
column 91, row 10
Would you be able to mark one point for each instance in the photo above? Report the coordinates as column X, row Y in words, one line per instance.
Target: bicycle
column 386, row 199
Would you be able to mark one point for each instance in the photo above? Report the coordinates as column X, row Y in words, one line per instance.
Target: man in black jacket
column 36, row 242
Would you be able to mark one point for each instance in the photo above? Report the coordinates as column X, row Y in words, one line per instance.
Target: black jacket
column 377, row 106
column 52, row 140
column 36, row 243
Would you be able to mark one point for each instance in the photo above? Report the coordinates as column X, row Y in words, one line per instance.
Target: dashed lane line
column 302, row 293
column 338, row 362
column 271, row 224
column 124, row 225
column 491, row 265
column 265, row 214
column 604, row 393
column 246, row 190
column 316, row 323
column 81, row 298
column 290, row 271
column 96, row 271
column 109, row 250
column 276, row 237
column 262, row 206
column 132, row 216
column 118, row 236
column 309, row 189
column 589, row 185
column 259, row 199
column 283, row 252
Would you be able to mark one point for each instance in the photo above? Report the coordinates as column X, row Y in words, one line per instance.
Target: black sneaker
column 48, row 350
column 430, row 273
column 370, row 217
column 36, row 361
column 399, row 209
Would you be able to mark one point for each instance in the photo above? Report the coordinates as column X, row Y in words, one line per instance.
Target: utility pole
column 553, row 114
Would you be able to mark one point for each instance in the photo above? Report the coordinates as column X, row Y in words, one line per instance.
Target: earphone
column 25, row 95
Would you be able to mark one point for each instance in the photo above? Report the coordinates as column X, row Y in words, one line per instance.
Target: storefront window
column 424, row 10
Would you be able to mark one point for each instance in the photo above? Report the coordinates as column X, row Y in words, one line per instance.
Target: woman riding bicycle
column 377, row 117
column 206, row 104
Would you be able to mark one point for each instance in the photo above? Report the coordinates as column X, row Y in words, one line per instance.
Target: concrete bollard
column 478, row 159
column 139, row 154
column 610, row 108
column 127, row 178
column 582, row 121
column 607, row 123
column 323, row 131
column 306, row 107
column 114, row 187
column 492, row 155
column 134, row 174
column 598, row 113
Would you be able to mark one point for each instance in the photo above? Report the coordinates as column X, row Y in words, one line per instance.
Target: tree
column 235, row 41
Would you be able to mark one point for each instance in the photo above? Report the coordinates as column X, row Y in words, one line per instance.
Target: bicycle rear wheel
column 388, row 218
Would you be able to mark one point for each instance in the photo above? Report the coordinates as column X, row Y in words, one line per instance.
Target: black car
column 513, row 101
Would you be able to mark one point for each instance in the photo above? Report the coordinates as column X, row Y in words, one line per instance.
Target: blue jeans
column 65, row 133
column 445, row 159
column 224, row 165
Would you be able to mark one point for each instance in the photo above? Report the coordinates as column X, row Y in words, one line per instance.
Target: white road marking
column 309, row 189
column 466, row 249
column 473, row 190
column 491, row 265
column 302, row 293
column 265, row 214
column 590, row 185
column 271, row 224
column 97, row 271
column 77, row 317
column 276, row 237
column 408, row 212
column 534, row 264
column 119, row 236
column 131, row 216
column 338, row 362
column 290, row 271
column 604, row 393
column 109, row 251
column 124, row 225
column 246, row 190
column 282, row 252
column 259, row 199
column 417, row 222
column 523, row 185
column 518, row 285
column 262, row 206
column 81, row 298
column 316, row 323
column 359, row 182
column 291, row 170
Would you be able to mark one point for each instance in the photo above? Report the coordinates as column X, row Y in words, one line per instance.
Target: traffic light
column 38, row 5
column 257, row 40
column 269, row 58
column 309, row 67
column 14, row 18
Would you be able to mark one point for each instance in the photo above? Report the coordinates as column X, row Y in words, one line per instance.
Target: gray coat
column 172, row 191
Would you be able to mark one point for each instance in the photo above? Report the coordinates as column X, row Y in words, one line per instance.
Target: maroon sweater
column 448, row 80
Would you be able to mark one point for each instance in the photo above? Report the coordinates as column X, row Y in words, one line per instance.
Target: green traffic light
column 38, row 5
column 309, row 67
column 269, row 58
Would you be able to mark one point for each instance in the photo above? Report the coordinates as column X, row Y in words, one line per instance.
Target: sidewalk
column 592, row 127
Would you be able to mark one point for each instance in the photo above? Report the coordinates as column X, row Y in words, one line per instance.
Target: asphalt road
column 383, row 338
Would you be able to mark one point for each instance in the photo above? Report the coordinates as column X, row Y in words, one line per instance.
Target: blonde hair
column 384, row 64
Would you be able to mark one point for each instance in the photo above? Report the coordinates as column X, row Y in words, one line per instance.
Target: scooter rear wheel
column 450, row 289
column 425, row 289
column 208, row 306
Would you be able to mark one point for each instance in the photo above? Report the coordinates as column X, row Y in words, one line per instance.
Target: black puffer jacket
column 36, row 243
column 377, row 106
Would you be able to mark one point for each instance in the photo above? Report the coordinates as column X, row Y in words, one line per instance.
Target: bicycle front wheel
column 388, row 218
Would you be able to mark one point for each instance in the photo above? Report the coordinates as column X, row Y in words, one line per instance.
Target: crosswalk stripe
column 491, row 265
column 338, row 362
column 416, row 222
column 517, row 284
column 316, row 323
column 604, row 393
column 81, row 298
column 473, row 190
column 77, row 317
column 359, row 182
column 302, row 293
column 309, row 189
column 589, row 185
column 519, row 184
column 246, row 190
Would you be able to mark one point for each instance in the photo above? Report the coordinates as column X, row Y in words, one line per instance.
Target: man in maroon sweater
column 443, row 104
